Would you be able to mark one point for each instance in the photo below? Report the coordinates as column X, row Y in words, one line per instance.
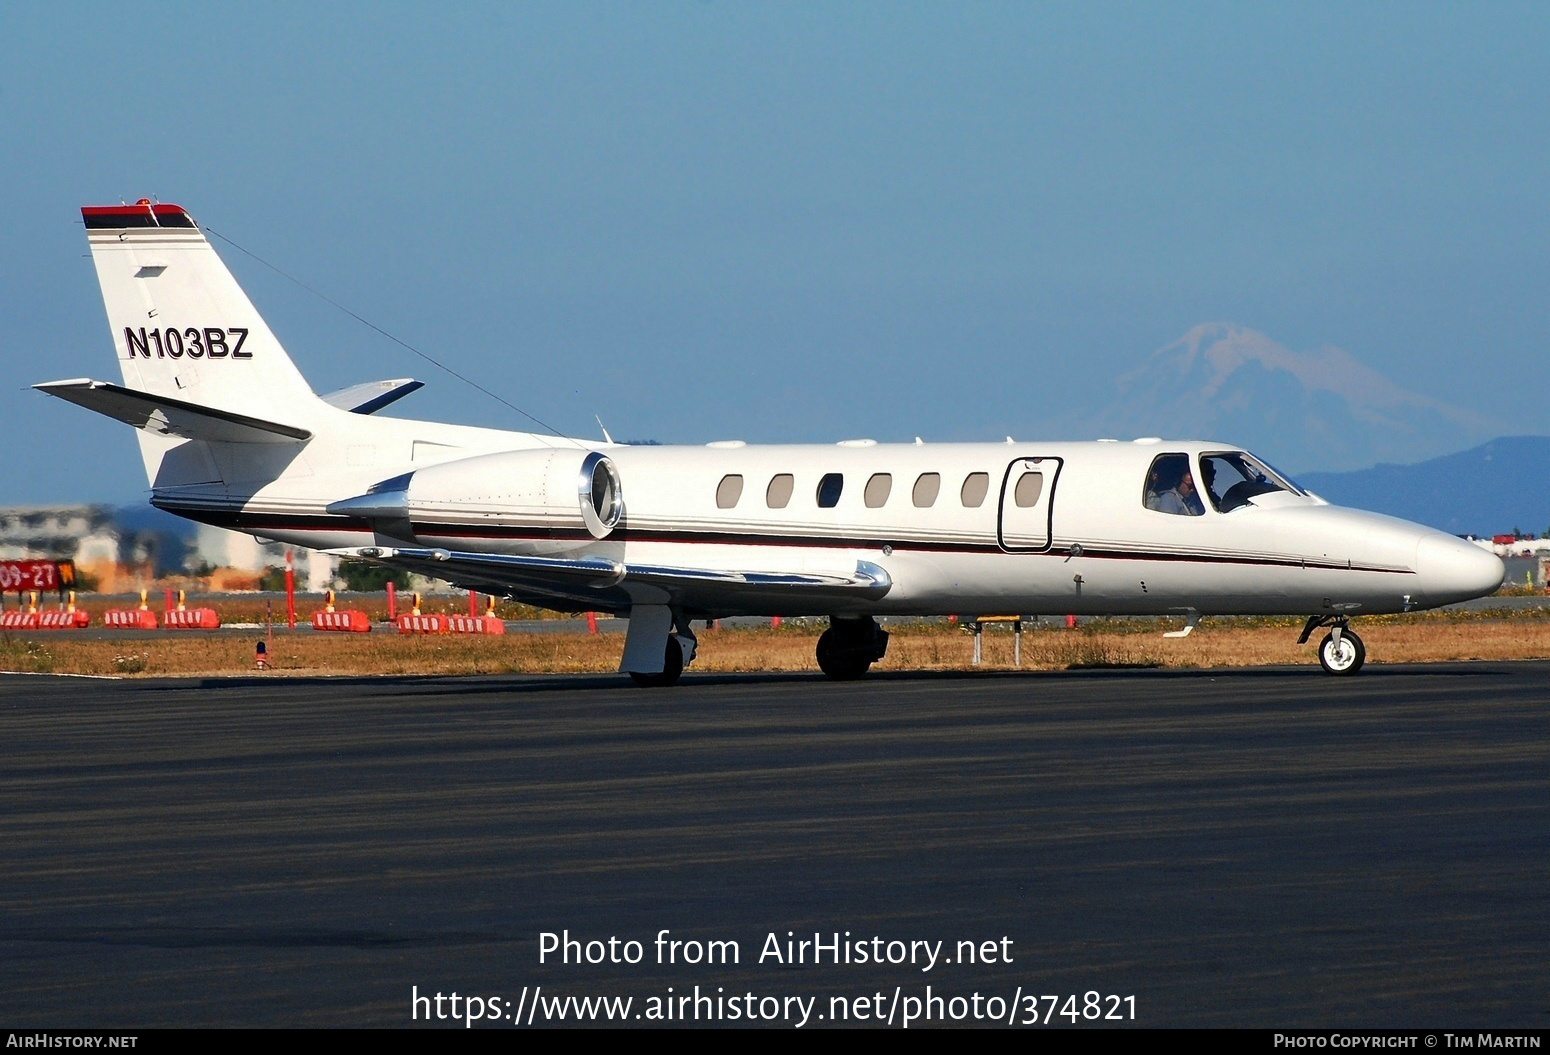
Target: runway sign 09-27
column 36, row 575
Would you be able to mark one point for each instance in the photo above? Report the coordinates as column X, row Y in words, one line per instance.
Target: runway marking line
column 40, row 674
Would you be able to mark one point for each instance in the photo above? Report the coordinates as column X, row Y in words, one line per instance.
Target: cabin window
column 1170, row 487
column 926, row 488
column 779, row 492
column 829, row 489
column 729, row 491
column 975, row 487
column 877, row 489
column 1029, row 487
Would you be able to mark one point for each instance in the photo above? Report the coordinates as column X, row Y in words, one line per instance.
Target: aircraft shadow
column 478, row 684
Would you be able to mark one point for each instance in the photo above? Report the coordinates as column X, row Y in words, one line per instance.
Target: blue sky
column 787, row 222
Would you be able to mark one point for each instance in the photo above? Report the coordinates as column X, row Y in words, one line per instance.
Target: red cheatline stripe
column 243, row 521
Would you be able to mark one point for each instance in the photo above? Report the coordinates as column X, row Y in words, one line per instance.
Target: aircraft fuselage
column 960, row 542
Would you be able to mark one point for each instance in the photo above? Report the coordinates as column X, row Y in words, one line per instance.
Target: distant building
column 86, row 534
column 234, row 561
column 121, row 559
column 1527, row 559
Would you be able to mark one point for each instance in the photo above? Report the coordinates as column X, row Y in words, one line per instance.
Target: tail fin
column 182, row 326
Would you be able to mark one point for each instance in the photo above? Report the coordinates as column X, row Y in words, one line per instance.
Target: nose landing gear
column 1341, row 651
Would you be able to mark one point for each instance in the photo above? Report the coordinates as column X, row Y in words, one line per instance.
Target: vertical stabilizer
column 186, row 333
column 182, row 326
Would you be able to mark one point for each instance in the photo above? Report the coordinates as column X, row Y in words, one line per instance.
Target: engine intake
column 550, row 490
column 602, row 496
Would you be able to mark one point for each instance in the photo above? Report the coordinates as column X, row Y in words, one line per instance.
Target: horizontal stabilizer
column 171, row 417
column 372, row 396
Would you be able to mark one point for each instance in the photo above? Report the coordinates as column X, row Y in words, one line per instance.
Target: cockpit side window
column 1170, row 487
column 1233, row 479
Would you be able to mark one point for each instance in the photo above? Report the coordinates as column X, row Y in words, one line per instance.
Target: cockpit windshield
column 1233, row 478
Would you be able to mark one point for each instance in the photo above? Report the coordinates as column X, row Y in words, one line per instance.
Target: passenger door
column 1027, row 504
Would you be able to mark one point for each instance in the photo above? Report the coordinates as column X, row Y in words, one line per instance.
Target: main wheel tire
column 840, row 659
column 672, row 668
column 1345, row 656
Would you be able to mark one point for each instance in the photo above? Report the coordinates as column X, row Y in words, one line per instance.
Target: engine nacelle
column 551, row 489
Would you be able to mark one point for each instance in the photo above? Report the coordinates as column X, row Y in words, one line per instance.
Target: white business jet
column 232, row 435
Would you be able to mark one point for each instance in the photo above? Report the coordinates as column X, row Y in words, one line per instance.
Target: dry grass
column 1222, row 643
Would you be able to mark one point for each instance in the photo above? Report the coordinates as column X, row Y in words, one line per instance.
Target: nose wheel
column 1341, row 651
column 1342, row 655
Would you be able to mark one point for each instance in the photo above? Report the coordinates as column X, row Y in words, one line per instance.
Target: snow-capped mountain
column 1321, row 409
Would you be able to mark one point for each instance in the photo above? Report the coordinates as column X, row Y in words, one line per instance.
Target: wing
column 601, row 584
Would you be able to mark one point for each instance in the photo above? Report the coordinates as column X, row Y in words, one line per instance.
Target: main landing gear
column 850, row 646
column 672, row 667
column 1341, row 651
column 658, row 647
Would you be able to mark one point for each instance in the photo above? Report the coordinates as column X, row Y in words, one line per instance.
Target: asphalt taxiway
column 1255, row 847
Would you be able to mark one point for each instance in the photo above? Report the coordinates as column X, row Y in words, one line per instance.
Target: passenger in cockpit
column 1154, row 485
column 1181, row 499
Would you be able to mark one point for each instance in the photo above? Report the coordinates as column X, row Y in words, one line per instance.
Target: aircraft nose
column 1452, row 570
